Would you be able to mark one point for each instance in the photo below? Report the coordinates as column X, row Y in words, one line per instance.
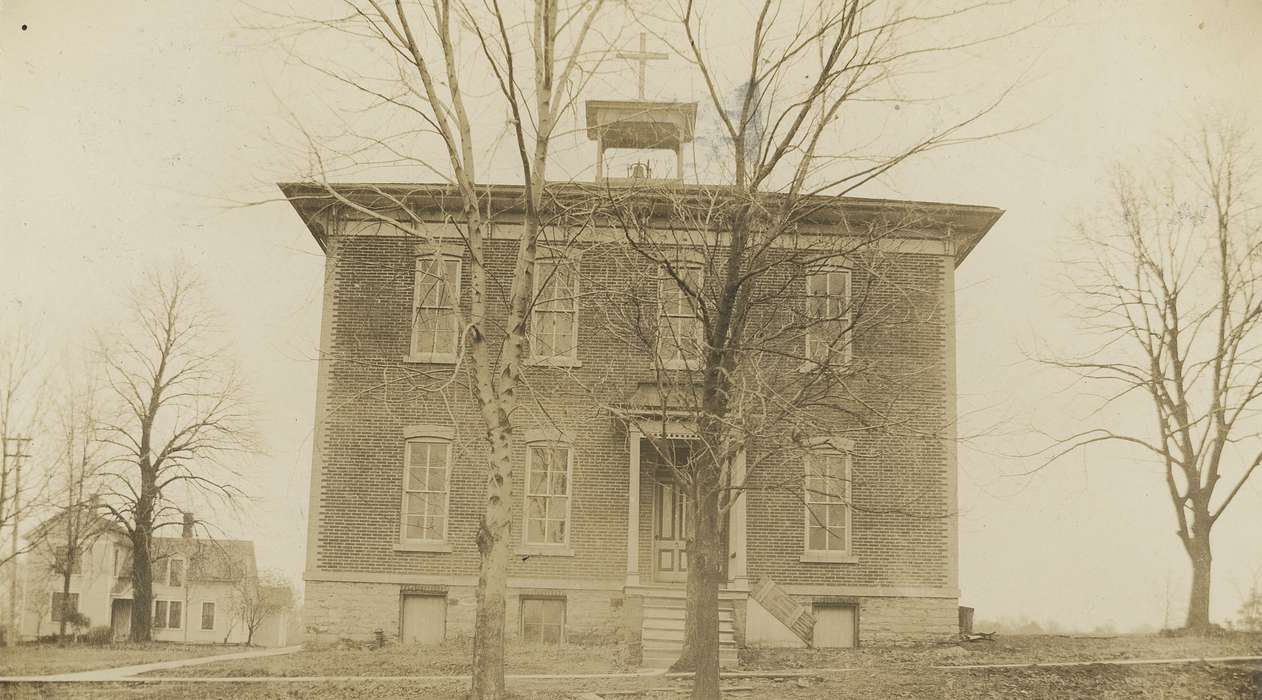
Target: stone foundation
column 342, row 610
column 885, row 619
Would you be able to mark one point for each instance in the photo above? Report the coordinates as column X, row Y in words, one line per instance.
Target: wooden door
column 834, row 626
column 424, row 619
column 120, row 618
column 670, row 532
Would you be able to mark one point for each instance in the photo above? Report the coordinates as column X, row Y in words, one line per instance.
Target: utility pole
column 19, row 443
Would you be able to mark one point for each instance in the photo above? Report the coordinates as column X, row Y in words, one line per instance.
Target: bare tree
column 22, row 388
column 533, row 53
column 1172, row 297
column 782, row 136
column 782, row 160
column 256, row 599
column 182, row 420
column 76, row 523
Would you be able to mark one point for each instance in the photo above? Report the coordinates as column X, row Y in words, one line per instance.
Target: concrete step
column 666, row 623
column 667, row 614
column 725, row 637
column 664, row 659
column 664, row 602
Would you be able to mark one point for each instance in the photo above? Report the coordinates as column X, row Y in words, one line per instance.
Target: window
column 547, row 494
column 554, row 316
column 434, row 307
column 59, row 604
column 60, row 557
column 827, row 497
column 426, row 464
column 828, row 316
column 176, row 569
column 543, row 620
column 679, row 328
column 160, row 613
column 158, row 570
column 208, row 616
column 168, row 614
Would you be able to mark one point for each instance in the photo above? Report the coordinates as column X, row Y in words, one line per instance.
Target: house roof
column 316, row 203
column 96, row 522
column 209, row 560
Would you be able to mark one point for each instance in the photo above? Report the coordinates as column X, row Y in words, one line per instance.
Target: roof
column 640, row 123
column 210, row 560
column 98, row 522
column 964, row 224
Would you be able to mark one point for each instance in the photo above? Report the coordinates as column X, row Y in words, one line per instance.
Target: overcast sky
column 129, row 128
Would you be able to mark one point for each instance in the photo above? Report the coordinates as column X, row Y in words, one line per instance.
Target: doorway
column 670, row 531
column 120, row 618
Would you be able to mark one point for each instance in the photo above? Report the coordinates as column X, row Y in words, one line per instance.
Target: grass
column 1005, row 650
column 450, row 658
column 1183, row 682
column 49, row 659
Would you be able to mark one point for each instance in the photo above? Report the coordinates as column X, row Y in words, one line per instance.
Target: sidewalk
column 126, row 672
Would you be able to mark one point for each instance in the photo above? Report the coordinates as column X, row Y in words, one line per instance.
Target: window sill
column 436, row 547
column 553, row 361
column 430, row 358
column 677, row 363
column 813, row 366
column 544, row 550
column 828, row 558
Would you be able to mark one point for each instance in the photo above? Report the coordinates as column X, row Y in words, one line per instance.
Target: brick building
column 397, row 484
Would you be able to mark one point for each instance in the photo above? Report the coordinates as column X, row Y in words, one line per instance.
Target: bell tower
column 633, row 137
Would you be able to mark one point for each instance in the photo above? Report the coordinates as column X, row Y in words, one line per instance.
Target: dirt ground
column 1199, row 681
column 897, row 671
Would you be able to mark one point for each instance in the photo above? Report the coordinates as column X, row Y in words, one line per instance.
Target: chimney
column 188, row 526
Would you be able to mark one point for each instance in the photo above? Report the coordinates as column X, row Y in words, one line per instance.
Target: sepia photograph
column 631, row 349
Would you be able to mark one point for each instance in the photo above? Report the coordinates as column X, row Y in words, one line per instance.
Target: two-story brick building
column 398, row 472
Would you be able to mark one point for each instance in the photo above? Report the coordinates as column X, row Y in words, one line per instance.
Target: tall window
column 426, row 467
column 436, row 294
column 61, row 555
column 679, row 327
column 208, row 616
column 554, row 318
column 158, row 570
column 828, row 502
column 176, row 569
column 60, row 604
column 828, row 313
column 543, row 620
column 168, row 614
column 547, row 494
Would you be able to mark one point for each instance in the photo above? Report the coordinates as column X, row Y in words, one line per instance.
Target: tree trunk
column 705, row 572
column 141, row 586
column 488, row 631
column 65, row 601
column 1198, row 549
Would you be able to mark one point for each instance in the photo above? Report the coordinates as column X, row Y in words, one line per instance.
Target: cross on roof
column 643, row 56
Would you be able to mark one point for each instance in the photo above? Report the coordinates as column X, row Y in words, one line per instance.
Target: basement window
column 543, row 620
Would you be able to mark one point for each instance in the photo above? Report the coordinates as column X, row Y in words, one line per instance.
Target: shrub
column 99, row 635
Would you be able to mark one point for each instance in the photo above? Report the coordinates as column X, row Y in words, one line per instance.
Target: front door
column 120, row 618
column 670, row 531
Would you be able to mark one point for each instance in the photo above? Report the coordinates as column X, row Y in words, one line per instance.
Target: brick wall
column 903, row 478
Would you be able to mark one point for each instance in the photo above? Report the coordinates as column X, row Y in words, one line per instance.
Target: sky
column 140, row 133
